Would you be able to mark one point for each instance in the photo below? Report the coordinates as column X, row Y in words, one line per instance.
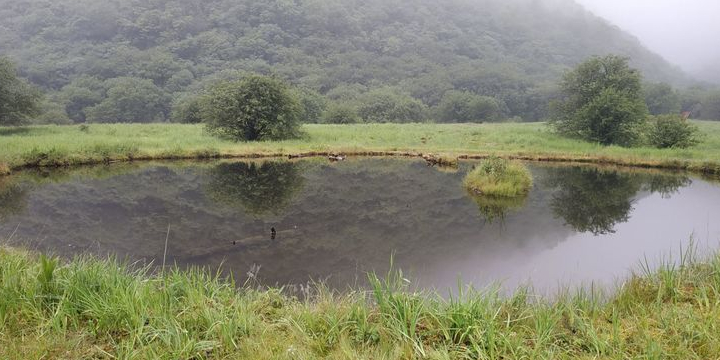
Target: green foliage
column 661, row 99
column 672, row 131
column 129, row 99
column 499, row 177
column 255, row 108
column 511, row 50
column 711, row 106
column 341, row 113
column 389, row 105
column 187, row 110
column 19, row 101
column 52, row 112
column 602, row 102
column 463, row 106
column 313, row 105
column 90, row 308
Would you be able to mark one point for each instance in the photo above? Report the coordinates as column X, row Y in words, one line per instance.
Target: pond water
column 335, row 221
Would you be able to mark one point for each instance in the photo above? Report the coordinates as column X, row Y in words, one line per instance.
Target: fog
column 685, row 32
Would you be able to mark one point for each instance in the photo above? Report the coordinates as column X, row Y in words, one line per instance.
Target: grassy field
column 70, row 145
column 102, row 309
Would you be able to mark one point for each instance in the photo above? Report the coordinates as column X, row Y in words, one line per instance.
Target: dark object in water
column 273, row 233
column 233, row 242
column 433, row 160
column 336, row 157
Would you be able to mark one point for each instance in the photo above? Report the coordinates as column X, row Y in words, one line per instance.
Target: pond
column 290, row 222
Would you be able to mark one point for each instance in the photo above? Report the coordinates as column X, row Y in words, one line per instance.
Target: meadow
column 97, row 143
column 105, row 309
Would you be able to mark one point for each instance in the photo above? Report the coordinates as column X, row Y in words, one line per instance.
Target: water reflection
column 335, row 221
column 260, row 189
column 496, row 208
column 13, row 198
column 595, row 200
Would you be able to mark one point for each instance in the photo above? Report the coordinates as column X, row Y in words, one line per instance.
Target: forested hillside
column 133, row 60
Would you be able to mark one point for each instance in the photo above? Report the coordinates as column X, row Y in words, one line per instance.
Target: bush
column 499, row 177
column 463, row 106
column 603, row 102
column 340, row 113
column 255, row 108
column 672, row 131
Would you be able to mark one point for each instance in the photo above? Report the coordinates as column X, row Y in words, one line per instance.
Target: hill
column 148, row 54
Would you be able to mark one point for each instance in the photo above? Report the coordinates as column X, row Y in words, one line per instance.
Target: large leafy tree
column 130, row 100
column 662, row 99
column 602, row 102
column 254, row 108
column 19, row 101
column 463, row 106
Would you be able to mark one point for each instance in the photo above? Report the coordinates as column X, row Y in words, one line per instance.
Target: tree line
column 374, row 60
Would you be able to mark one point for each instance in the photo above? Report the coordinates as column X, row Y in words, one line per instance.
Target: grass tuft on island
column 498, row 177
column 105, row 309
column 47, row 146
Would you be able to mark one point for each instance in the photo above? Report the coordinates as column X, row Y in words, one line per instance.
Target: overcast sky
column 685, row 32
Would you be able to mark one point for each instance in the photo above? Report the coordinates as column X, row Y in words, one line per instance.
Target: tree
column 313, row 105
column 463, row 106
column 389, row 105
column 255, row 108
column 661, row 99
column 711, row 106
column 187, row 110
column 340, row 113
column 130, row 100
column 19, row 101
column 602, row 102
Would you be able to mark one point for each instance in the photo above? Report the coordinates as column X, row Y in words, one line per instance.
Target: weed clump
column 499, row 177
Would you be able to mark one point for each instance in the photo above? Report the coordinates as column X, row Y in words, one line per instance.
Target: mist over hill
column 80, row 52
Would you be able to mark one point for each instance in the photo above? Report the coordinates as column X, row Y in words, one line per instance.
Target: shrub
column 255, row 108
column 603, row 102
column 499, row 177
column 340, row 113
column 672, row 131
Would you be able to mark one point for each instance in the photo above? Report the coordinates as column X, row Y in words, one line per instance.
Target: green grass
column 70, row 145
column 104, row 309
column 499, row 178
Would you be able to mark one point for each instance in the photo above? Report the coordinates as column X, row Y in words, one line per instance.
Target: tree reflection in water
column 258, row 188
column 13, row 198
column 595, row 200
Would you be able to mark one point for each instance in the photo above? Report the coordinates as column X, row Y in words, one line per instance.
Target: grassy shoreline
column 103, row 309
column 48, row 146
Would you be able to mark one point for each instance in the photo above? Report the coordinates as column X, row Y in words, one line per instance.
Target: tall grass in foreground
column 105, row 309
